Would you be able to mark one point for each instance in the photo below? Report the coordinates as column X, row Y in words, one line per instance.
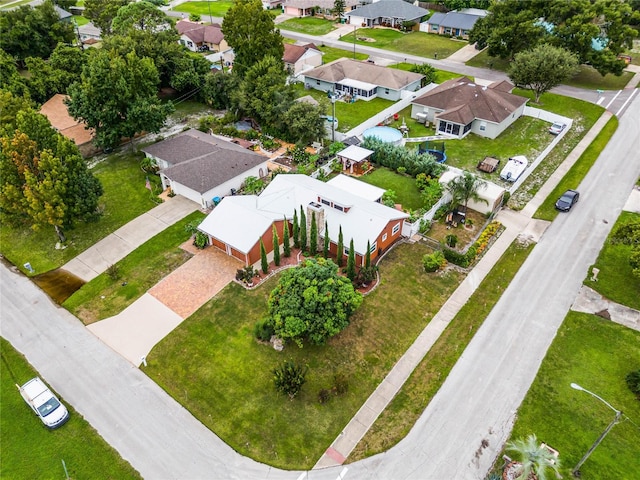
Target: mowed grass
column 615, row 279
column 596, row 354
column 404, row 410
column 441, row 75
column 213, row 365
column 331, row 54
column 125, row 197
column 30, row 450
column 308, row 25
column 104, row 296
column 588, row 77
column 576, row 174
column 414, row 43
column 404, row 186
column 218, row 8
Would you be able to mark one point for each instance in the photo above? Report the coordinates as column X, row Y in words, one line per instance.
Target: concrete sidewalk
column 96, row 259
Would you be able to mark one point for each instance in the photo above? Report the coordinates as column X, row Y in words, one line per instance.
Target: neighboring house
column 196, row 36
column 200, row 167
column 388, row 13
column 238, row 223
column 363, row 80
column 300, row 58
column 460, row 106
column 89, row 31
column 270, row 4
column 65, row 16
column 353, row 159
column 457, row 23
column 58, row 114
column 306, row 8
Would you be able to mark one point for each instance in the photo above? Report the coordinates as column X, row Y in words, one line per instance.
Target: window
column 384, row 237
column 346, row 250
column 326, row 202
column 396, row 229
column 317, row 82
column 386, row 91
column 483, row 126
column 373, row 247
column 338, row 207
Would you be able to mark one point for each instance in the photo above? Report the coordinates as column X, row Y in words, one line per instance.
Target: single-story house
column 202, row 168
column 457, row 23
column 58, row 114
column 238, row 223
column 363, row 80
column 195, row 36
column 307, row 8
column 388, row 13
column 491, row 193
column 271, row 4
column 300, row 58
column 357, row 187
column 89, row 31
column 459, row 106
column 353, row 159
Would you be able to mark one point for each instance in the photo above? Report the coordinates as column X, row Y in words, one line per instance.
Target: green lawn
column 596, row 354
column 218, row 8
column 213, row 365
column 104, row 297
column 441, row 75
column 404, row 186
column 125, row 197
column 308, row 25
column 414, row 396
column 421, row 44
column 80, row 20
column 29, row 450
column 615, row 280
column 588, row 77
column 331, row 54
column 575, row 175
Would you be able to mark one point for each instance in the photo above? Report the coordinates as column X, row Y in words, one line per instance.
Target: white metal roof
column 355, row 153
column 361, row 189
column 350, row 82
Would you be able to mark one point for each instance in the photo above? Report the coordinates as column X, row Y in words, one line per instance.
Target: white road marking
column 599, row 100
column 302, row 476
column 342, row 473
column 635, row 90
column 613, row 99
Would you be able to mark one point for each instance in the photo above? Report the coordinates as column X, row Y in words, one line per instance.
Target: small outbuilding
column 355, row 159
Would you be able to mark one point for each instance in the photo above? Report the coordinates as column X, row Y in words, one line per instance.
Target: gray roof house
column 389, row 13
column 457, row 23
column 353, row 79
column 201, row 167
column 459, row 106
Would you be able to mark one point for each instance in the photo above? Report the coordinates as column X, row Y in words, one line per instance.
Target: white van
column 44, row 403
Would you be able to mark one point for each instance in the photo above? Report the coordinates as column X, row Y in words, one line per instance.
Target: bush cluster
column 633, row 382
column 395, row 158
column 433, row 262
column 466, row 259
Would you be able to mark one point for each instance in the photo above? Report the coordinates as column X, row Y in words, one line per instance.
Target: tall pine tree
column 276, row 247
column 296, row 230
column 325, row 252
column 367, row 256
column 313, row 235
column 263, row 258
column 340, row 252
column 303, row 229
column 351, row 262
column 286, row 246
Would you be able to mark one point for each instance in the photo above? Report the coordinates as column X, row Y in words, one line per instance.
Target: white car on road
column 44, row 403
column 514, row 168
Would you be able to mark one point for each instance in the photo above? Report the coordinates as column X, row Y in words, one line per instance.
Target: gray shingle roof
column 464, row 21
column 391, row 9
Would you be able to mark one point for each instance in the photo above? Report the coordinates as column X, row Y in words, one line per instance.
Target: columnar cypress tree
column 286, row 247
column 325, row 252
column 303, row 229
column 296, row 230
column 340, row 252
column 367, row 256
column 263, row 258
column 351, row 263
column 276, row 247
column 313, row 235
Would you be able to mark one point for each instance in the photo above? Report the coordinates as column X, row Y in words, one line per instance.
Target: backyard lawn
column 404, row 186
column 29, row 450
column 213, row 365
column 441, row 75
column 125, row 197
column 421, row 44
column 104, row 296
column 331, row 54
column 309, row 25
column 217, row 8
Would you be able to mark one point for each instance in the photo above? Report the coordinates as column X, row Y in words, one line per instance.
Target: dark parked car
column 567, row 200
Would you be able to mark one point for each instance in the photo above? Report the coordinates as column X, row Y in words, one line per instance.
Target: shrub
column 113, row 272
column 633, row 382
column 200, row 240
column 324, row 395
column 263, row 330
column 456, row 258
column 246, row 274
column 402, row 170
column 366, row 275
column 451, row 240
column 425, row 226
column 433, row 262
column 289, row 378
column 340, row 383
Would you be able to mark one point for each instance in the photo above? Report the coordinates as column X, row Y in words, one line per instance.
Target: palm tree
column 534, row 459
column 465, row 187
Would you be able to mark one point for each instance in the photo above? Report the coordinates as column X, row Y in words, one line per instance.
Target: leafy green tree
column 289, row 378
column 253, row 185
column 276, row 247
column 296, row 230
column 139, row 16
column 264, row 263
column 312, row 302
column 339, row 6
column 629, row 234
column 10, row 105
column 286, row 246
column 302, row 123
column 533, row 458
column 10, row 79
column 327, row 241
column 430, row 73
column 543, row 68
column 460, row 4
column 303, row 229
column 351, row 262
column 33, row 31
column 465, row 187
column 389, row 198
column 102, row 12
column 340, row 251
column 249, row 29
column 195, row 17
column 117, row 96
column 313, row 235
column 216, row 90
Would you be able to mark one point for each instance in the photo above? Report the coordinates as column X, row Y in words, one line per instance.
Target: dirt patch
column 465, row 233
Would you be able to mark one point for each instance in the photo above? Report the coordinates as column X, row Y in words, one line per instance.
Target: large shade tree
column 117, row 96
column 312, row 302
column 102, row 12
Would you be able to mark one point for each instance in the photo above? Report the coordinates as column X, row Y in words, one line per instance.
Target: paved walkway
column 590, row 301
column 465, row 54
column 518, row 224
column 96, row 259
